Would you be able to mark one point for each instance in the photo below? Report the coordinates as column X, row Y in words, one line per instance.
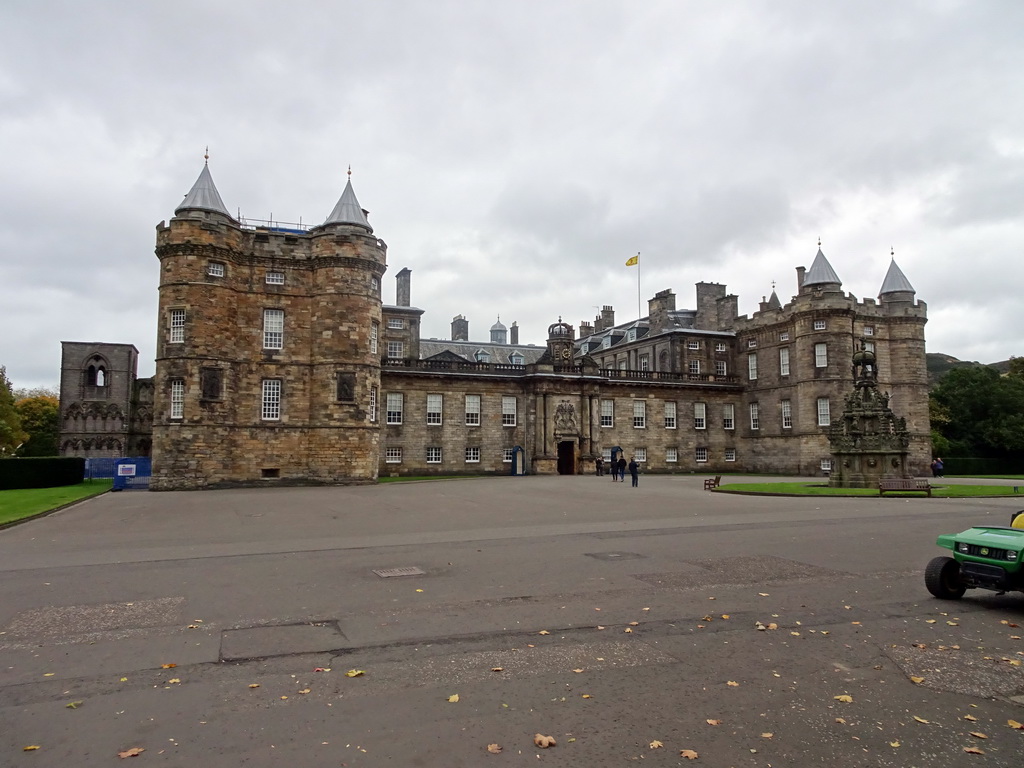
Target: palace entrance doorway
column 567, row 457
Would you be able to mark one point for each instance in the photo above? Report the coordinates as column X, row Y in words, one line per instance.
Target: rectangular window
column 273, row 328
column 639, row 414
column 622, row 365
column 606, row 454
column 824, row 415
column 472, row 455
column 177, row 398
column 396, row 350
column 392, row 455
column 869, row 346
column 506, row 455
column 177, row 335
column 607, row 413
column 728, row 416
column 645, row 362
column 396, row 323
column 373, row 404
column 755, row 416
column 700, row 415
column 751, row 343
column 670, row 415
column 275, row 278
column 508, row 411
column 345, row 387
column 784, row 361
column 730, row 454
column 826, row 465
column 472, row 410
column 784, row 336
column 374, row 333
column 215, row 269
column 694, row 367
column 606, row 342
column 692, row 344
column 819, row 325
column 701, row 455
column 671, row 455
column 720, row 368
column 869, row 330
column 631, row 334
column 752, row 366
column 435, row 405
column 640, row 454
column 821, row 355
column 394, row 407
column 787, row 414
column 271, row 399
column 434, row 454
column 210, row 383
column 720, row 346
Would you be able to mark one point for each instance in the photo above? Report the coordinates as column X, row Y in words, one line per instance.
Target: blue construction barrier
column 100, row 469
column 132, row 474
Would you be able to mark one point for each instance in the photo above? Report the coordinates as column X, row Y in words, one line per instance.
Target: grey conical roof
column 348, row 210
column 895, row 280
column 821, row 271
column 773, row 301
column 203, row 195
column 498, row 326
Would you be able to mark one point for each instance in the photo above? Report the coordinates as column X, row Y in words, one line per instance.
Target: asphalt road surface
column 216, row 629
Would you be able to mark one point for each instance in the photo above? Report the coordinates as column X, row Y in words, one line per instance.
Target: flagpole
column 638, row 267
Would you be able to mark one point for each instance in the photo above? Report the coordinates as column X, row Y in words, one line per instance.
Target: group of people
column 618, row 469
column 937, row 467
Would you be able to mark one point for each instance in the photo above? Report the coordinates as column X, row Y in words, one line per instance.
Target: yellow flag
column 632, row 262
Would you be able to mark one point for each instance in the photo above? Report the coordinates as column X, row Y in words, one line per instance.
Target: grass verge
column 408, row 478
column 817, row 489
column 22, row 503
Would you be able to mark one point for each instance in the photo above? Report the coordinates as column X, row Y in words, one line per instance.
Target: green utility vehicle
column 984, row 557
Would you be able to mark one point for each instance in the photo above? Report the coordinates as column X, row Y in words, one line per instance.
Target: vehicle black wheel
column 942, row 577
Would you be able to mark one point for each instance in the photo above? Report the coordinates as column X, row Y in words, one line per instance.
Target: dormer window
column 584, row 348
column 482, row 356
column 606, row 342
column 517, row 359
column 631, row 334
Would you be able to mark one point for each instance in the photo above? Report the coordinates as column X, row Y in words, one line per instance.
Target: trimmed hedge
column 46, row 472
column 972, row 466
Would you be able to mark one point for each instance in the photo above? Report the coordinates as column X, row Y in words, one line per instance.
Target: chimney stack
column 403, row 279
column 460, row 328
column 514, row 334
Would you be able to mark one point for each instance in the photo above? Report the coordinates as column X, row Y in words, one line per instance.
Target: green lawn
column 817, row 489
column 27, row 502
column 408, row 478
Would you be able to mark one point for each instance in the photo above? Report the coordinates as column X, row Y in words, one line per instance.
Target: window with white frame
column 607, row 413
column 671, row 455
column 177, row 334
column 784, row 361
column 787, row 414
column 273, row 328
column 622, row 365
column 640, row 454
column 508, row 411
column 755, row 416
column 869, row 330
column 482, row 356
column 517, row 359
column 869, row 346
column 472, row 410
column 396, row 350
column 375, row 284
column 396, row 323
column 274, row 278
column 506, row 455
column 177, row 398
column 720, row 368
column 435, row 404
column 374, row 335
column 700, row 454
column 639, row 414
column 645, row 362
column 728, row 416
column 826, row 465
column 606, row 342
column 784, row 336
column 584, row 348
column 393, row 455
column 720, row 346
column 631, row 334
column 700, row 416
column 215, row 269
column 693, row 366
column 271, row 399
column 394, row 407
column 472, row 455
column 751, row 343
column 752, row 366
column 821, row 355
column 819, row 325
column 824, row 412
column 606, row 454
column 693, row 344
column 434, row 454
column 373, row 404
column 670, row 415
column 730, row 454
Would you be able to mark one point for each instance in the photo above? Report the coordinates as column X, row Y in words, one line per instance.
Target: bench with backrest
column 711, row 483
column 904, row 484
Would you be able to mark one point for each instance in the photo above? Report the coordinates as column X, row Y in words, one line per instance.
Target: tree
column 40, row 418
column 11, row 434
column 984, row 411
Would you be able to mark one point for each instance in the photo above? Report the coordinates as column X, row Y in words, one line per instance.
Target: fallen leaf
column 689, row 754
column 725, row 615
column 419, row 590
column 543, row 741
column 133, row 752
column 733, row 683
column 493, row 749
column 929, row 621
column 49, row 674
column 795, row 634
column 656, row 744
column 974, row 751
column 168, row 666
column 978, row 735
column 283, row 698
column 824, row 631
column 577, row 671
column 760, row 627
column 916, row 679
column 304, row 691
column 841, row 721
column 855, row 622
column 599, row 626
column 773, row 625
column 530, row 645
column 254, row 685
column 355, row 673
column 645, row 609
column 73, row 704
column 124, row 679
column 763, row 594
column 972, row 718
column 953, row 623
column 707, row 618
column 321, row 669
column 586, row 696
column 767, row 735
column 30, row 748
column 713, row 722
column 894, row 743
column 1014, row 724
column 628, row 630
column 844, row 697
column 634, row 623
column 497, row 669
column 453, row 698
column 543, row 632
column 921, row 720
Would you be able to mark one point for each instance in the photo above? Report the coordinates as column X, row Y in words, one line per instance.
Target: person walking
column 634, row 470
column 622, row 469
column 599, row 465
column 939, row 467
column 935, row 467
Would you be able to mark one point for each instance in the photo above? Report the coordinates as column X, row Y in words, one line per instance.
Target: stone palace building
column 279, row 363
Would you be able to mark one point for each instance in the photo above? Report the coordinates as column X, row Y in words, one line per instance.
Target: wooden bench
column 901, row 484
column 710, row 484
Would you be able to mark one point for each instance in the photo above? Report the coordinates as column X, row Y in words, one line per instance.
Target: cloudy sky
column 514, row 154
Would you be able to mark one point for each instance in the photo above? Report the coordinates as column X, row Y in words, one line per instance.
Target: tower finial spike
column 892, row 252
column 206, row 155
column 350, row 171
column 819, row 241
column 773, row 286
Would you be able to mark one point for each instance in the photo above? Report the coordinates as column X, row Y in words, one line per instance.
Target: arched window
column 101, row 377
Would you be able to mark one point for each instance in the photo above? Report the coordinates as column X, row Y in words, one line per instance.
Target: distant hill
column 939, row 365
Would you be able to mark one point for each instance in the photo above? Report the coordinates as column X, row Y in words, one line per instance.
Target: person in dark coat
column 599, row 466
column 622, row 469
column 634, row 470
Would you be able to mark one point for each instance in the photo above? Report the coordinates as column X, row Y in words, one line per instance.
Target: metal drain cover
column 409, row 570
column 614, row 555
